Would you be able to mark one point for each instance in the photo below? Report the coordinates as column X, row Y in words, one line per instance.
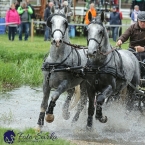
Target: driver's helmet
column 141, row 16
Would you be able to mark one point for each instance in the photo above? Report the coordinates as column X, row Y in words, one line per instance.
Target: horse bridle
column 99, row 43
column 49, row 24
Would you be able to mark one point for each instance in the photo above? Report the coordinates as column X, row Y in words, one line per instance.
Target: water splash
column 122, row 127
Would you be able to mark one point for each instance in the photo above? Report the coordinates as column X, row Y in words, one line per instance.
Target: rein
column 75, row 46
column 108, row 51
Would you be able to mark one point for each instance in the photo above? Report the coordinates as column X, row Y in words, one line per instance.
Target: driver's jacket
column 136, row 35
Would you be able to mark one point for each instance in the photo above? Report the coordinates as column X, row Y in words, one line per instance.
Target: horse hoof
column 66, row 116
column 49, row 118
column 103, row 119
column 38, row 128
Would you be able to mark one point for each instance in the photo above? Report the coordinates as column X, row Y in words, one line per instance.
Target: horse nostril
column 94, row 52
column 53, row 41
column 60, row 41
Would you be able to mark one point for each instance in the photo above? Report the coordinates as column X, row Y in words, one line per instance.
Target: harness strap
column 132, row 86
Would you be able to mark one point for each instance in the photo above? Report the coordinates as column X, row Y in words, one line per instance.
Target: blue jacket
column 133, row 15
column 115, row 18
column 47, row 13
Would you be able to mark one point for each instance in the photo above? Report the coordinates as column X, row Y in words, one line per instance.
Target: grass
column 30, row 137
column 21, row 61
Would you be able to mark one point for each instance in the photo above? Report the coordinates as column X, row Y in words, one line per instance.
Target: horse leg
column 44, row 104
column 100, row 100
column 49, row 112
column 65, row 109
column 82, row 102
column 91, row 107
column 91, row 110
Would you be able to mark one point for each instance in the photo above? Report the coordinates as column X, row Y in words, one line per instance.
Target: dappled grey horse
column 61, row 68
column 115, row 69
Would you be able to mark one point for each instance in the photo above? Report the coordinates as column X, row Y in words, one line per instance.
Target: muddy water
column 20, row 109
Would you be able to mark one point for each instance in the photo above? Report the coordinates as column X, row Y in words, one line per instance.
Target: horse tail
column 75, row 98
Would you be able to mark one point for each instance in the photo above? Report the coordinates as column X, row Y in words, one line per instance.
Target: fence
column 3, row 24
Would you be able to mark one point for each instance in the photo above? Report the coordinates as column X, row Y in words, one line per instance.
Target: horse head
column 97, row 37
column 58, row 24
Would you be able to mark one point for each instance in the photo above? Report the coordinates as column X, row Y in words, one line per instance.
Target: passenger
column 136, row 35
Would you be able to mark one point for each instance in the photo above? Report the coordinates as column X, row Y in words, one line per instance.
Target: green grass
column 30, row 137
column 21, row 61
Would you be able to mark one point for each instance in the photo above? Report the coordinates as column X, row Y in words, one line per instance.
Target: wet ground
column 20, row 109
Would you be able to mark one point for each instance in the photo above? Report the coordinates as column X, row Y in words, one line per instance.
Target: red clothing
column 116, row 2
column 121, row 16
column 12, row 16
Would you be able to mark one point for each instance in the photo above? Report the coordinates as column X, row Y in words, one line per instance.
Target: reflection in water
column 20, row 109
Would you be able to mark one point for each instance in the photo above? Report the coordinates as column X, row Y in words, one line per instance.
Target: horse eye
column 101, row 32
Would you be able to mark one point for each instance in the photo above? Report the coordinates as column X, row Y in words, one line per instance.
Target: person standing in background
column 69, row 11
column 17, row 4
column 25, row 13
column 13, row 18
column 121, row 17
column 33, row 16
column 90, row 13
column 134, row 14
column 115, row 20
column 47, row 13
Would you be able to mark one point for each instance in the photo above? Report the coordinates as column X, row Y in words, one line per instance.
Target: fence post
column 32, row 30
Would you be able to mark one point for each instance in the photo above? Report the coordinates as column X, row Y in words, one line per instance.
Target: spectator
column 13, row 18
column 134, row 14
column 33, row 16
column 121, row 17
column 25, row 15
column 17, row 4
column 69, row 11
column 57, row 4
column 115, row 20
column 91, row 13
column 47, row 13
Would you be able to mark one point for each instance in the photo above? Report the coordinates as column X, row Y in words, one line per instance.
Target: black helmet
column 141, row 16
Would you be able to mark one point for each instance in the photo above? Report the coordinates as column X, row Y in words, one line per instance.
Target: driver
column 136, row 35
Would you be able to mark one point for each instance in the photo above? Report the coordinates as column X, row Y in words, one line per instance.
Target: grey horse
column 115, row 69
column 57, row 68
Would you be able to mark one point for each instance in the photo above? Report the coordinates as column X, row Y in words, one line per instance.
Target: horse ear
column 102, row 16
column 90, row 16
column 53, row 10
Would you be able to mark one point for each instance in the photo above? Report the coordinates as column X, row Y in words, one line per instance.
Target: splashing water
column 20, row 109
